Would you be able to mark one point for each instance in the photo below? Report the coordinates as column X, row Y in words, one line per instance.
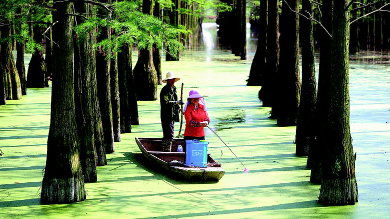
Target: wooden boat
column 173, row 163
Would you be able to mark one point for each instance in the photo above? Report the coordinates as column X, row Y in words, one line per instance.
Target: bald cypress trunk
column 11, row 78
column 315, row 153
column 338, row 186
column 36, row 73
column 267, row 92
column 288, row 76
column 256, row 74
column 63, row 181
column 174, row 19
column 144, row 71
column 305, row 135
column 115, row 99
column 85, row 67
column 104, row 90
column 124, row 71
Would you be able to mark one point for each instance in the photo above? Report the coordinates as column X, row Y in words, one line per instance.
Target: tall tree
column 63, row 181
column 315, row 153
column 104, row 89
column 288, row 76
column 115, row 99
column 11, row 78
column 256, row 73
column 36, row 73
column 174, row 20
column 156, row 49
column 20, row 50
column 144, row 71
column 125, row 71
column 338, row 186
column 267, row 92
column 305, row 135
column 85, row 67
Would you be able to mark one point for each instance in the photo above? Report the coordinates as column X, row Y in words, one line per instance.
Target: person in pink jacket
column 195, row 112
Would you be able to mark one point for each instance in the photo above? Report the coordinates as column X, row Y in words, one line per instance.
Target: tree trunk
column 256, row 73
column 85, row 67
column 48, row 59
column 20, row 51
column 144, row 71
column 13, row 89
column 315, row 153
column 354, row 42
column 174, row 19
column 242, row 30
column 3, row 95
column 339, row 186
column 267, row 92
column 104, row 92
column 157, row 51
column 36, row 73
column 115, row 98
column 288, row 77
column 305, row 127
column 63, row 181
column 124, row 70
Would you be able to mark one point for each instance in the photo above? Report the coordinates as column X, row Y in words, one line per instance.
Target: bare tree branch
column 377, row 10
column 309, row 18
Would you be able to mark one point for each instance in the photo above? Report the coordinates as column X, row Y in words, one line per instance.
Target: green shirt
column 169, row 110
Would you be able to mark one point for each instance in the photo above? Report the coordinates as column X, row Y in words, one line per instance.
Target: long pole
column 245, row 169
column 181, row 109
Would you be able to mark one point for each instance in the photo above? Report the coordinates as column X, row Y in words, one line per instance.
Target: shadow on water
column 235, row 116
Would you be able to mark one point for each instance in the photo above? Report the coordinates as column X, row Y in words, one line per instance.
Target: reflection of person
column 196, row 115
column 169, row 110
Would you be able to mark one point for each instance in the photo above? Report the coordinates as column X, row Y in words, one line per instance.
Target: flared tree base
column 62, row 190
column 339, row 192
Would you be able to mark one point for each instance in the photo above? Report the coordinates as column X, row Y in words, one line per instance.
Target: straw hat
column 170, row 75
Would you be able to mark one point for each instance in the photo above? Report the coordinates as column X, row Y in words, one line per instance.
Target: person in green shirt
column 170, row 109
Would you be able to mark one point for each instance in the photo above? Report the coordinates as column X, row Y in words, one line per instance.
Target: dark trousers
column 192, row 138
column 168, row 129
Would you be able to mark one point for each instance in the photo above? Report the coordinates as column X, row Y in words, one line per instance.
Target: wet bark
column 257, row 71
column 63, row 180
column 305, row 135
column 288, row 76
column 267, row 92
column 338, row 185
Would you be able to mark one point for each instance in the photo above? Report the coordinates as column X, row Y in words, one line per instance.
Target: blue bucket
column 196, row 153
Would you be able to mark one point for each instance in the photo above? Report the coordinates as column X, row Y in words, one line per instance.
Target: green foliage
column 130, row 26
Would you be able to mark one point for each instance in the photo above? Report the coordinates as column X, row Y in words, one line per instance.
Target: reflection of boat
column 173, row 163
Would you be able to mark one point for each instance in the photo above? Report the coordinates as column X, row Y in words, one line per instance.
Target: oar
column 245, row 169
column 181, row 109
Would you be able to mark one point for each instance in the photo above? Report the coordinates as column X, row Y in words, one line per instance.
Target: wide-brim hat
column 194, row 94
column 170, row 75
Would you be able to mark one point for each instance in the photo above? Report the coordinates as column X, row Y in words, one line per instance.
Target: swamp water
column 277, row 185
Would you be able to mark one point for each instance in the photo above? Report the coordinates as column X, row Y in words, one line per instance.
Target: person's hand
column 180, row 102
column 204, row 123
